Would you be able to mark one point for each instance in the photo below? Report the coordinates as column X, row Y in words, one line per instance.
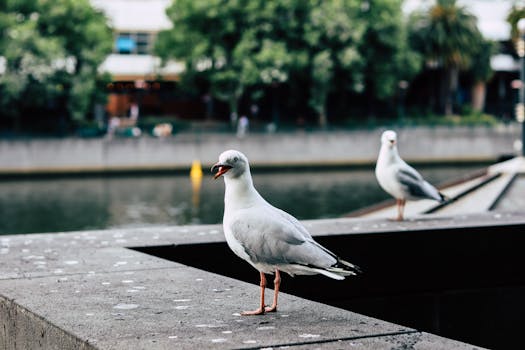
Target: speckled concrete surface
column 87, row 290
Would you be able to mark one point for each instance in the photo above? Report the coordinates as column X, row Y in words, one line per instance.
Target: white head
column 232, row 164
column 389, row 138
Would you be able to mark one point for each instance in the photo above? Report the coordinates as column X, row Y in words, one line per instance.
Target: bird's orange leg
column 399, row 216
column 260, row 310
column 276, row 285
column 400, row 209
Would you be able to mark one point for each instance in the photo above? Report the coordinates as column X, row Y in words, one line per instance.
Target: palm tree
column 516, row 13
column 447, row 35
column 481, row 72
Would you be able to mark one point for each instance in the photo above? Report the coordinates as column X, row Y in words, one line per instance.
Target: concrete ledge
column 23, row 329
column 184, row 308
column 86, row 290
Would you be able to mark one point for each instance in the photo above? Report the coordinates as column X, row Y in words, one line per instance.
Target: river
column 100, row 202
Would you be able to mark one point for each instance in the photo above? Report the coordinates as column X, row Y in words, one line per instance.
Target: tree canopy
column 516, row 13
column 448, row 37
column 328, row 46
column 390, row 60
column 222, row 43
column 51, row 51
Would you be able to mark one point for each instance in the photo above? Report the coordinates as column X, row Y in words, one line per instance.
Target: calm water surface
column 67, row 204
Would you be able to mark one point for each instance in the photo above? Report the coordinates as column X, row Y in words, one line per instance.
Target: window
column 133, row 43
column 143, row 43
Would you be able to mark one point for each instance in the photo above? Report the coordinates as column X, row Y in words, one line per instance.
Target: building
column 138, row 76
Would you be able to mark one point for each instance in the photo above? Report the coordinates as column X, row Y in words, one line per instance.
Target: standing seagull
column 398, row 178
column 270, row 239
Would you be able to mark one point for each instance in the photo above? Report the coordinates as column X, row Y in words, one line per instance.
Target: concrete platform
column 481, row 193
column 86, row 290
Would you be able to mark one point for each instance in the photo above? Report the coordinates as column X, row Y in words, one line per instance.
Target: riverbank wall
column 298, row 149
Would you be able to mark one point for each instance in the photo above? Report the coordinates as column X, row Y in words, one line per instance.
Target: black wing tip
column 443, row 197
column 345, row 265
column 357, row 270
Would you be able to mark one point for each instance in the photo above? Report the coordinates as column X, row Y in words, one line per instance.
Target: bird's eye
column 235, row 159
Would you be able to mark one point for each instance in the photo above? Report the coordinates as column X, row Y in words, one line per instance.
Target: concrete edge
column 21, row 328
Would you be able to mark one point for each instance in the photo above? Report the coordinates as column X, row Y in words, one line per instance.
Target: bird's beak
column 220, row 169
column 392, row 142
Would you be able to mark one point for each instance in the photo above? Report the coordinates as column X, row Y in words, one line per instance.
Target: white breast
column 234, row 245
column 386, row 176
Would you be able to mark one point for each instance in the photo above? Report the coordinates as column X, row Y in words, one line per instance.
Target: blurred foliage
column 480, row 70
column 385, row 48
column 326, row 45
column 224, row 44
column 51, row 51
column 416, row 117
column 467, row 118
column 516, row 13
column 333, row 32
column 448, row 37
column 314, row 58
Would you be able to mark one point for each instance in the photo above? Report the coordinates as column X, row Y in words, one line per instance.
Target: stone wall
column 281, row 149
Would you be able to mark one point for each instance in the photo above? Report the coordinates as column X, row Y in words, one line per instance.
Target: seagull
column 398, row 178
column 268, row 238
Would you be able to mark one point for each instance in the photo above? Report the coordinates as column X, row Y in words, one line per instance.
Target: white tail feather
column 330, row 274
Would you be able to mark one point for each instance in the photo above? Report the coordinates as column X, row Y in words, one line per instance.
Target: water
column 68, row 204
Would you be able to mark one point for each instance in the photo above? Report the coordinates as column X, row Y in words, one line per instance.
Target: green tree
column 448, row 37
column 333, row 33
column 221, row 43
column 481, row 72
column 385, row 49
column 51, row 51
column 516, row 13
column 237, row 44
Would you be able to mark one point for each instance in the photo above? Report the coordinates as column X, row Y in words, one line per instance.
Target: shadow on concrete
column 466, row 284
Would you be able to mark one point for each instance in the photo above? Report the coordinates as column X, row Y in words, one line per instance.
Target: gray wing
column 414, row 183
column 270, row 237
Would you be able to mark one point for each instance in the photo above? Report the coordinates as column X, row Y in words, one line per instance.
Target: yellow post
column 196, row 170
column 196, row 181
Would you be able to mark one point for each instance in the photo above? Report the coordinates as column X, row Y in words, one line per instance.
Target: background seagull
column 398, row 178
column 270, row 239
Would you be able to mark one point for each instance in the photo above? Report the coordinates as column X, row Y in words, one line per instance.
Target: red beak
column 221, row 169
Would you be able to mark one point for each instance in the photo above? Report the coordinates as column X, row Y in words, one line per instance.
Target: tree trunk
column 17, row 122
column 320, row 107
column 323, row 122
column 275, row 105
column 450, row 89
column 207, row 99
column 478, row 93
column 232, row 101
column 321, row 111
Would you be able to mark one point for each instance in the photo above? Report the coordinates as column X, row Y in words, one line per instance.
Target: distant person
column 113, row 125
column 243, row 126
column 134, row 111
column 398, row 178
